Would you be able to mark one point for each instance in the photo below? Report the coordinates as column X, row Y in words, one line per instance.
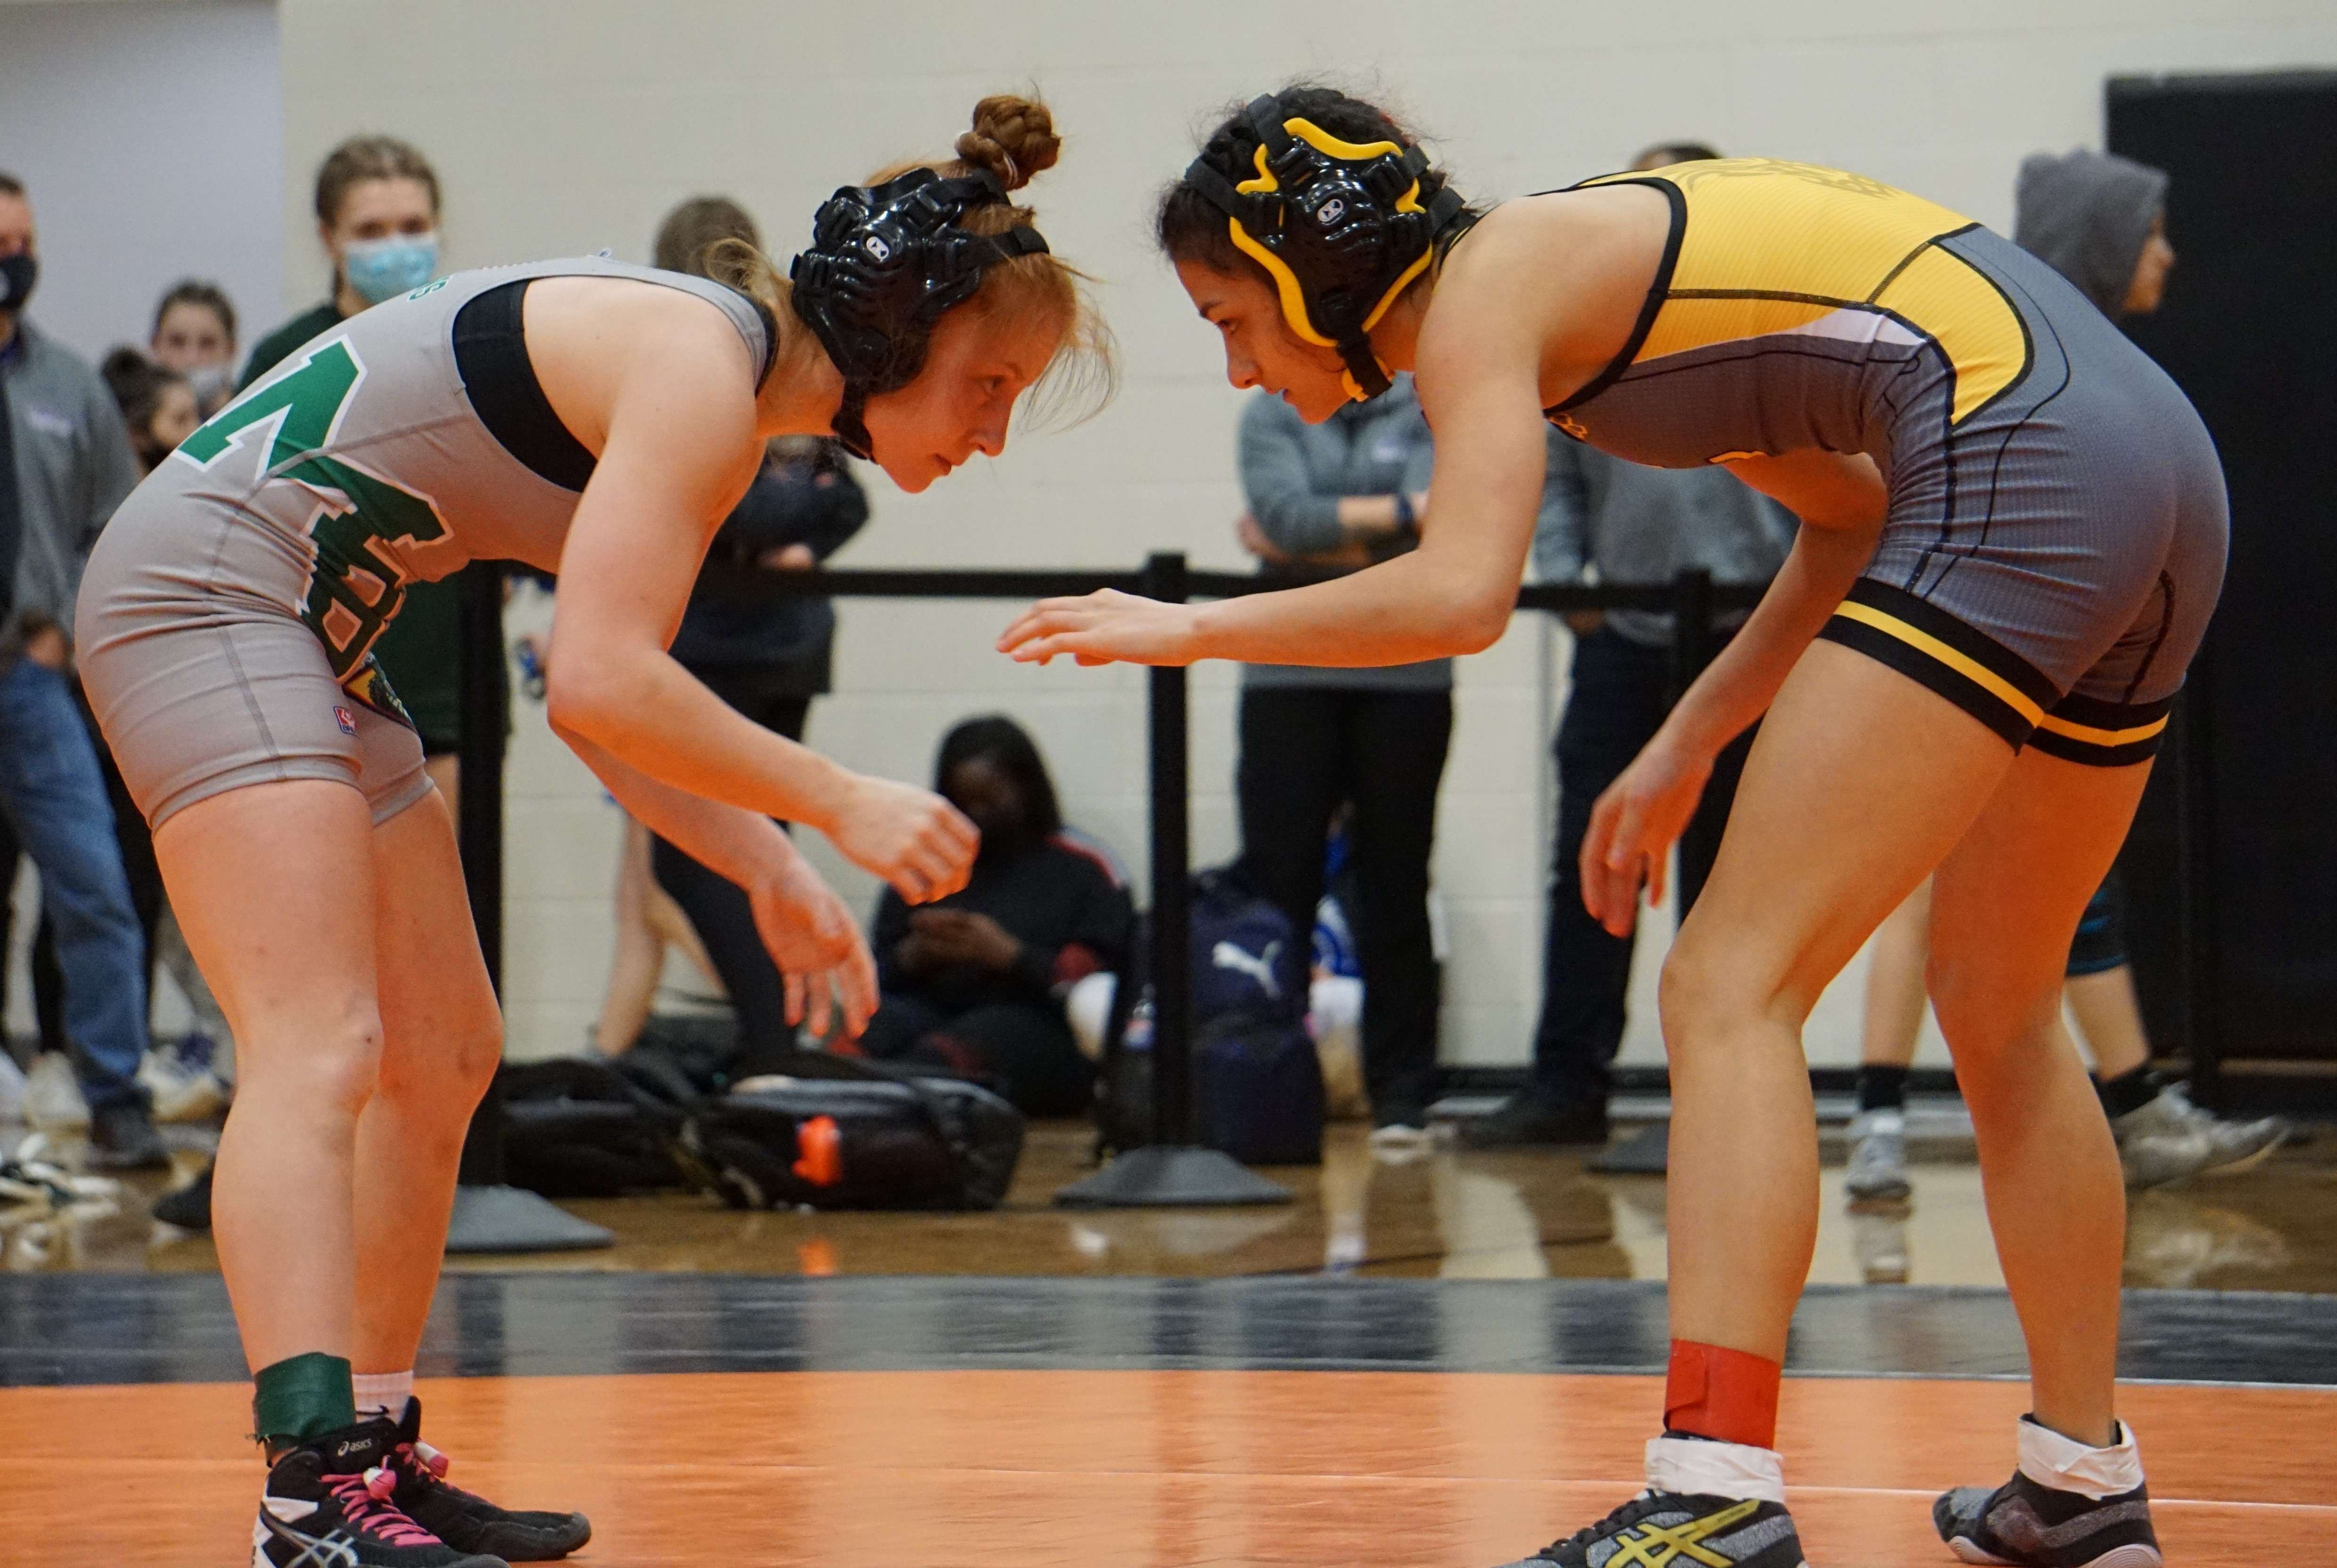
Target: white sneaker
column 53, row 1094
column 2167, row 1138
column 13, row 1088
column 180, row 1092
column 2237, row 1145
column 1878, row 1157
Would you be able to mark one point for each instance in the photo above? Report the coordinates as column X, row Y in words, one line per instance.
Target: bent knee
column 1982, row 1006
column 1709, row 993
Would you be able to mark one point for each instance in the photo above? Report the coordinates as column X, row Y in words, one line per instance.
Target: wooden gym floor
column 945, row 1422
column 1095, row 1468
column 1446, row 1363
column 1524, row 1214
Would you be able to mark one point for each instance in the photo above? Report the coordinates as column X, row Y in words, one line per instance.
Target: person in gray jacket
column 1621, row 522
column 1343, row 493
column 65, row 464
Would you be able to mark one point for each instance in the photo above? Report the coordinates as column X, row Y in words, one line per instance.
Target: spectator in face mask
column 377, row 217
column 194, row 336
column 974, row 984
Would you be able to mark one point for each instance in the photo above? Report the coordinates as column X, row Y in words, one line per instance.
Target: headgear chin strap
column 1340, row 227
column 884, row 264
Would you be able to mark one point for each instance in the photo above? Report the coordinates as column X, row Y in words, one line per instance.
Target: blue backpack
column 1258, row 1081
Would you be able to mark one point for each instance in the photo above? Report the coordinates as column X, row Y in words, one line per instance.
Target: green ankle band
column 301, row 1399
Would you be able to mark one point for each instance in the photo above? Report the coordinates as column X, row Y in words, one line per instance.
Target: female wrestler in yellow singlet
column 2013, row 533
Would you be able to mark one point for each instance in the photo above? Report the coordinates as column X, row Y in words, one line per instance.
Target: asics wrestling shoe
column 327, row 1505
column 2035, row 1527
column 464, row 1519
column 1666, row 1527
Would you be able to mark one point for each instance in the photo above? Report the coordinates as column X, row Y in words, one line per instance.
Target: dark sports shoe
column 464, row 1519
column 1664, row 1527
column 2035, row 1527
column 122, row 1137
column 1526, row 1120
column 327, row 1505
column 188, row 1208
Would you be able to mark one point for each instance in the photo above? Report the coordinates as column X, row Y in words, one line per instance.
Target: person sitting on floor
column 975, row 982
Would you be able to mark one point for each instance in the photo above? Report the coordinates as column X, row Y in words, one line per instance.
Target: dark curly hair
column 1189, row 227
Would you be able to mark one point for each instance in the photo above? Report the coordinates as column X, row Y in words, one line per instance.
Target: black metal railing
column 1693, row 600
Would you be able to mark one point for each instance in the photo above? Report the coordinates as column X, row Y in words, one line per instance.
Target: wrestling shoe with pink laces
column 464, row 1519
column 327, row 1504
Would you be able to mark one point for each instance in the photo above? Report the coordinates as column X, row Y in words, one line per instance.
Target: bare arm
column 807, row 928
column 680, row 451
column 1510, row 314
column 1840, row 501
column 1453, row 595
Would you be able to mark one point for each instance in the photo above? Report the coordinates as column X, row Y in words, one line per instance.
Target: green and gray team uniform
column 229, row 613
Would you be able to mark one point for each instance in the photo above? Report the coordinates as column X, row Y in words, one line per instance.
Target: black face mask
column 18, row 273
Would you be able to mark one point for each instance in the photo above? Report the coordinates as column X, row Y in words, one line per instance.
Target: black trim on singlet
column 1657, row 292
column 770, row 338
column 498, row 378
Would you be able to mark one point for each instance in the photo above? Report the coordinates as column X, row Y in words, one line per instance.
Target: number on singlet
column 355, row 589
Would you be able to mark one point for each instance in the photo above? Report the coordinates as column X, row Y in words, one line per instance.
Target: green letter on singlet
column 309, row 402
column 303, row 410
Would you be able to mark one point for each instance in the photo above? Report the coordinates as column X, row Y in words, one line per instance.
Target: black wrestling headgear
column 1341, row 227
column 882, row 265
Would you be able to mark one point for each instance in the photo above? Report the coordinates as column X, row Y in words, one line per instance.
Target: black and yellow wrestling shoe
column 1665, row 1528
column 464, row 1519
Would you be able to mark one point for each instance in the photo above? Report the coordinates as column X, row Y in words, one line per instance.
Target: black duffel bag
column 591, row 1127
column 843, row 1133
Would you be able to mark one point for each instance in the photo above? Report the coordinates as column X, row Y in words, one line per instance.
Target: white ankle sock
column 2066, row 1464
column 383, row 1393
column 1696, row 1468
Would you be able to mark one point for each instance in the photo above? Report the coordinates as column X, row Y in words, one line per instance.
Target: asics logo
column 334, row 1549
column 1676, row 1545
column 1258, row 967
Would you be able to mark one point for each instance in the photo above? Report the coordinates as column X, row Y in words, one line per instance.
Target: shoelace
column 364, row 1504
column 1586, row 1535
column 427, row 1463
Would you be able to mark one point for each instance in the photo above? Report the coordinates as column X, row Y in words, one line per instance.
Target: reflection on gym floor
column 1440, row 1215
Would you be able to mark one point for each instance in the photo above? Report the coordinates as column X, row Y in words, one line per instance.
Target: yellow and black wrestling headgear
column 1342, row 229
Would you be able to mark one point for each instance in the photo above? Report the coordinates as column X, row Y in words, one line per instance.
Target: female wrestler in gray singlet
column 588, row 419
column 2013, row 534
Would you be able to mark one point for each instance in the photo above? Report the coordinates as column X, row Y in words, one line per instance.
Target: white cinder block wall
column 566, row 125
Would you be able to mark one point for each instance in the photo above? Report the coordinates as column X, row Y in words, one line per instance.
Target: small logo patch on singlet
column 346, row 720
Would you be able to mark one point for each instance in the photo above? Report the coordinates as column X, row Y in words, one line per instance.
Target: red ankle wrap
column 1713, row 1391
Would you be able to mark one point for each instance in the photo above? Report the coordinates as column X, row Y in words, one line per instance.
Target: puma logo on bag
column 1258, row 967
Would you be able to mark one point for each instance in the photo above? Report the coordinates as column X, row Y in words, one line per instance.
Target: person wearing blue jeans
column 66, row 464
column 54, row 797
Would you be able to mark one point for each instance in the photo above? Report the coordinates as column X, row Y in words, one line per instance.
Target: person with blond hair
column 588, row 419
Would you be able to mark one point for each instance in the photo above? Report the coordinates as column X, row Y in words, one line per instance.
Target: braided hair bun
column 1012, row 137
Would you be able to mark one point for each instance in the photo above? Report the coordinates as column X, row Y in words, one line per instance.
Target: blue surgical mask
column 381, row 269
